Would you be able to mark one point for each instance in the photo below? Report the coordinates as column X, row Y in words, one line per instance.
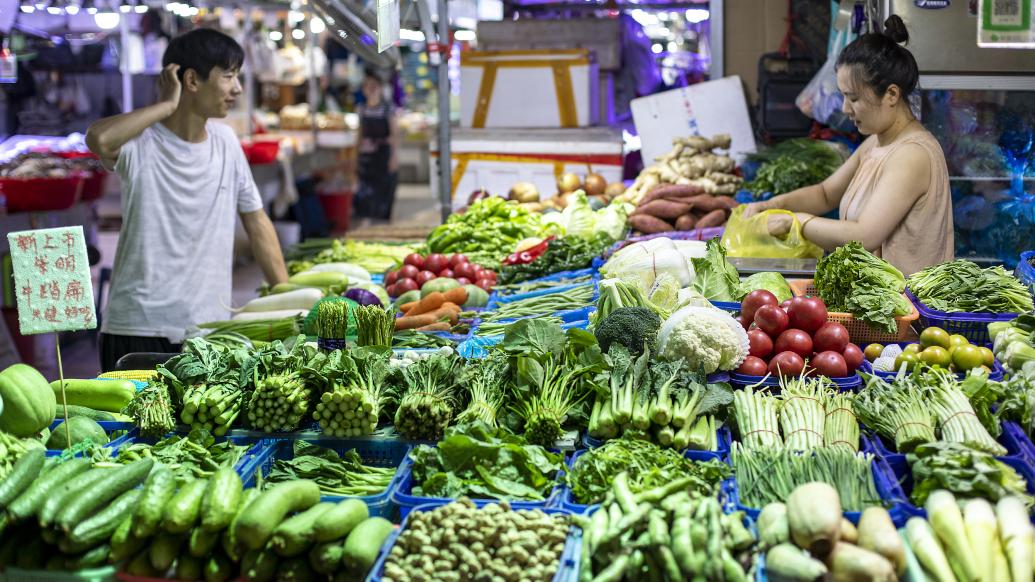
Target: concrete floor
column 415, row 207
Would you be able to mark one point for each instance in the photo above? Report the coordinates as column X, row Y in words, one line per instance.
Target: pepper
column 528, row 255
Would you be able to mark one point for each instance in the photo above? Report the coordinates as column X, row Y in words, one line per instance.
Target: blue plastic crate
column 731, row 307
column 1025, row 272
column 567, row 496
column 109, row 427
column 886, row 450
column 567, row 571
column 255, row 451
column 1015, row 438
column 740, row 381
column 374, row 452
column 973, row 326
column 883, row 479
column 406, row 502
column 503, row 296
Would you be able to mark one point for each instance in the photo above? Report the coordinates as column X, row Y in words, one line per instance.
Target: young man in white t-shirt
column 184, row 182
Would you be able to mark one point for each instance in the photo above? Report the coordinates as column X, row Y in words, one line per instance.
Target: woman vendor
column 892, row 194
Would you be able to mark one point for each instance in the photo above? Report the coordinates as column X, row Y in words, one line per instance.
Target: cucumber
column 262, row 516
column 189, row 568
column 87, row 501
column 95, row 415
column 26, row 469
column 158, row 490
column 71, row 488
column 229, row 536
column 220, row 504
column 201, row 542
column 262, row 566
column 295, row 535
column 90, row 559
column 325, row 558
column 181, row 512
column 106, row 395
column 218, row 568
column 124, row 544
column 364, row 543
column 295, row 570
column 339, row 521
column 100, row 526
column 30, row 501
column 164, row 549
column 70, row 548
column 141, row 566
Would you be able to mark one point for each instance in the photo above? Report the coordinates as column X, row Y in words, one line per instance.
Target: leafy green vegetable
column 963, row 286
column 772, row 282
column 963, row 471
column 477, row 461
column 853, row 280
column 195, row 456
column 714, row 276
column 372, row 256
column 486, row 233
column 793, row 164
column 648, row 466
column 563, row 254
column 336, row 475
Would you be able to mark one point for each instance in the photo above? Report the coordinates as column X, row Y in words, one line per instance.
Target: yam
column 712, row 219
column 648, row 224
column 664, row 209
column 686, row 222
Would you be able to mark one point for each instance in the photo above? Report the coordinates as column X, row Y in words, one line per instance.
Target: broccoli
column 633, row 327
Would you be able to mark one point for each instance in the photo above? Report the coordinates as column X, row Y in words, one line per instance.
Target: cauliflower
column 705, row 338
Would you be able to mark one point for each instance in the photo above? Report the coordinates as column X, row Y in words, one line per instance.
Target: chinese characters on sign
column 52, row 278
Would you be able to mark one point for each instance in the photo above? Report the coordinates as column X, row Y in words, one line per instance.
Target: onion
column 363, row 297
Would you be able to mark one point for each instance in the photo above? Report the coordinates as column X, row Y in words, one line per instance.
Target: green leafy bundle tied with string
column 802, row 413
column 151, row 410
column 426, row 401
column 282, row 392
column 356, row 391
column 485, row 383
column 375, row 326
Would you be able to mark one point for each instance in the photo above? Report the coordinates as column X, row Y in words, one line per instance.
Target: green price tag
column 53, row 287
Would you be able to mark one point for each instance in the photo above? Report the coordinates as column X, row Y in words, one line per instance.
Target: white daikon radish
column 297, row 299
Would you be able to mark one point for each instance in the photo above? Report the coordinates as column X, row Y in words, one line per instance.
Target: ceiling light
column 317, row 26
column 656, row 49
column 72, row 9
column 298, row 34
column 53, row 10
column 125, row 8
column 140, row 8
column 276, row 35
column 106, row 20
column 295, row 17
column 28, row 9
column 697, row 15
column 464, row 35
column 91, row 10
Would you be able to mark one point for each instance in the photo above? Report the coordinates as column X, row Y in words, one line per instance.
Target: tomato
column 390, row 289
column 830, row 337
column 754, row 300
column 786, row 364
column 967, row 357
column 391, row 277
column 753, row 366
column 447, row 273
column 436, row 262
column 485, row 284
column 414, row 260
column 771, row 319
column 853, row 357
column 405, row 285
column 794, row 340
column 989, row 357
column 463, row 281
column 934, row 336
column 488, row 274
column 956, row 340
column 407, row 272
column 830, row 364
column 936, row 356
column 745, row 323
column 423, row 277
column 761, row 343
column 465, row 270
column 457, row 260
column 786, row 304
column 873, row 351
column 808, row 314
column 910, row 359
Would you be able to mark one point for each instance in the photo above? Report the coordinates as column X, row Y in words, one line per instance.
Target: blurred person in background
column 378, row 150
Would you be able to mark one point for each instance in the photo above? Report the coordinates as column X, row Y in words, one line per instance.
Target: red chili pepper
column 528, row 255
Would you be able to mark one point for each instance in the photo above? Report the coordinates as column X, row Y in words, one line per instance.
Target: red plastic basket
column 860, row 332
column 337, row 206
column 261, row 152
column 42, row 194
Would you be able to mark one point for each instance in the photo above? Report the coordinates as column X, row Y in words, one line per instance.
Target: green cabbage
column 771, row 282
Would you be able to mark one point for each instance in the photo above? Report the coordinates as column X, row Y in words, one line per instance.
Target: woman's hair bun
column 895, row 29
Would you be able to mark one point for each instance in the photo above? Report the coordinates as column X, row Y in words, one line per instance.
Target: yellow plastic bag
column 749, row 237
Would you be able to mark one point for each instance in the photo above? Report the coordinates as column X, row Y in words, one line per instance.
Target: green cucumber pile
column 71, row 515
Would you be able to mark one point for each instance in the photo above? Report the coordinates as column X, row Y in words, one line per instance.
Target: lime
column 989, row 357
column 934, row 336
column 873, row 351
column 910, row 359
column 936, row 356
column 967, row 357
column 958, row 340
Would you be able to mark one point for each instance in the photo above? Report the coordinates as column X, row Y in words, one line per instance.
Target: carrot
column 405, row 307
column 450, row 306
column 686, row 222
column 415, row 321
column 714, row 218
column 667, row 190
column 648, row 224
column 429, row 303
column 457, row 295
column 664, row 209
column 439, row 326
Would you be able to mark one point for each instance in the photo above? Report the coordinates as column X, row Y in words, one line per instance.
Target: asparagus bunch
column 375, row 326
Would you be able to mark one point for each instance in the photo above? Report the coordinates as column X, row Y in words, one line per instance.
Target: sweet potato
column 686, row 222
column 716, row 217
column 668, row 190
column 648, row 224
column 664, row 209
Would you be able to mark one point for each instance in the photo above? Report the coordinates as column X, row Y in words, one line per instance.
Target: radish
column 263, row 315
column 297, row 299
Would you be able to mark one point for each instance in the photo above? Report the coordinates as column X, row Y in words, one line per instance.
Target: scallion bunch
column 842, row 427
column 802, row 414
column 897, row 412
column 757, row 419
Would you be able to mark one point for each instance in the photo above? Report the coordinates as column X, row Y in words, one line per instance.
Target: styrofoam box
column 524, row 94
column 496, row 159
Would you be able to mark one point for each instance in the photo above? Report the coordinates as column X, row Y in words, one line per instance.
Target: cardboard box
column 529, row 89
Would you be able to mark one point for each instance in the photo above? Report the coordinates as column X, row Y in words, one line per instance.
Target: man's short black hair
column 201, row 50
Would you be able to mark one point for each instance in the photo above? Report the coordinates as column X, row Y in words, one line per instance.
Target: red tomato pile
column 418, row 270
column 794, row 336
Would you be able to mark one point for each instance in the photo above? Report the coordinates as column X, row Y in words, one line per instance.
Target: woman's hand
column 756, row 207
column 780, row 224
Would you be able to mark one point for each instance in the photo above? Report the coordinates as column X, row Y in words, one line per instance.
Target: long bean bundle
column 572, row 299
column 489, row 329
column 896, row 413
column 770, row 475
column 266, row 330
column 802, row 414
column 842, row 427
column 964, row 286
column 757, row 421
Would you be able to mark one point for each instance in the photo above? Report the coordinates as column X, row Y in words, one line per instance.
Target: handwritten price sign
column 52, row 280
